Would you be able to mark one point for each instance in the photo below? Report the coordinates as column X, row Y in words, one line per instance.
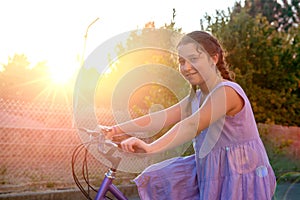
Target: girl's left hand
column 135, row 145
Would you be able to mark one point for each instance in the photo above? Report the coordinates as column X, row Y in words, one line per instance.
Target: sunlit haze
column 53, row 31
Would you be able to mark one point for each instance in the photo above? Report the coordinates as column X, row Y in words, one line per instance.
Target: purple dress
column 230, row 163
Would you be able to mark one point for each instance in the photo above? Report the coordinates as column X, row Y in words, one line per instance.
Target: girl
column 230, row 161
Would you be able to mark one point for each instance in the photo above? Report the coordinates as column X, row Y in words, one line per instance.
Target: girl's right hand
column 135, row 145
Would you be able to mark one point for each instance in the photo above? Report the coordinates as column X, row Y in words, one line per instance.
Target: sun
column 62, row 74
column 59, row 77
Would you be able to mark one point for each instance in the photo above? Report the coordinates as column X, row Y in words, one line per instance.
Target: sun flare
column 62, row 75
column 59, row 77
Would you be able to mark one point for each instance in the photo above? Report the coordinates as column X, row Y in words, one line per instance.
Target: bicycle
column 107, row 183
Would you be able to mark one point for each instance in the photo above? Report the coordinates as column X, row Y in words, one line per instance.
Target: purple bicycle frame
column 107, row 185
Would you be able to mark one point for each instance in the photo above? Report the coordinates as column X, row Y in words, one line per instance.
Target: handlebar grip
column 90, row 132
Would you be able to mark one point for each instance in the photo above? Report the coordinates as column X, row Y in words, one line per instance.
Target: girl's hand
column 135, row 145
column 108, row 131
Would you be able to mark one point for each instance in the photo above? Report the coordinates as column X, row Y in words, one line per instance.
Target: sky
column 53, row 30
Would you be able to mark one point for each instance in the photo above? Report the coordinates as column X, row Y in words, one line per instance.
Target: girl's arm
column 151, row 122
column 221, row 102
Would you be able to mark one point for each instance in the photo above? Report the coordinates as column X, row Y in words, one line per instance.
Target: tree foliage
column 282, row 16
column 265, row 60
column 161, row 53
column 21, row 80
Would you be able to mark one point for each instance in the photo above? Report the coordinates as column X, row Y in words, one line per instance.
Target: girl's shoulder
column 235, row 86
column 231, row 84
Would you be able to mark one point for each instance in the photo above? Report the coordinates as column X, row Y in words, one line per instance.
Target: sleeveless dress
column 230, row 163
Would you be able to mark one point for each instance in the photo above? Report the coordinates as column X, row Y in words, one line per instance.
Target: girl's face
column 195, row 65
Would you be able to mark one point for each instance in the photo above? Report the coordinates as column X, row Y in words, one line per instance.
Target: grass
column 279, row 147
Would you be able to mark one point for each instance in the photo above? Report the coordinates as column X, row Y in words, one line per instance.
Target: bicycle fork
column 107, row 185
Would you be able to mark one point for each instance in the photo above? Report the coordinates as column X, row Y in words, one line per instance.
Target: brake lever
column 91, row 133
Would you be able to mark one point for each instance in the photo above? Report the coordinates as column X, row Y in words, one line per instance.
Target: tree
column 266, row 63
column 148, row 47
column 20, row 80
column 282, row 16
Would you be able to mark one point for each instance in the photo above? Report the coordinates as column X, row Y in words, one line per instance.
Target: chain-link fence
column 37, row 141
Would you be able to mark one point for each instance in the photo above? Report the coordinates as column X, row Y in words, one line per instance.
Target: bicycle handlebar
column 98, row 134
column 90, row 132
column 114, row 146
column 109, row 143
